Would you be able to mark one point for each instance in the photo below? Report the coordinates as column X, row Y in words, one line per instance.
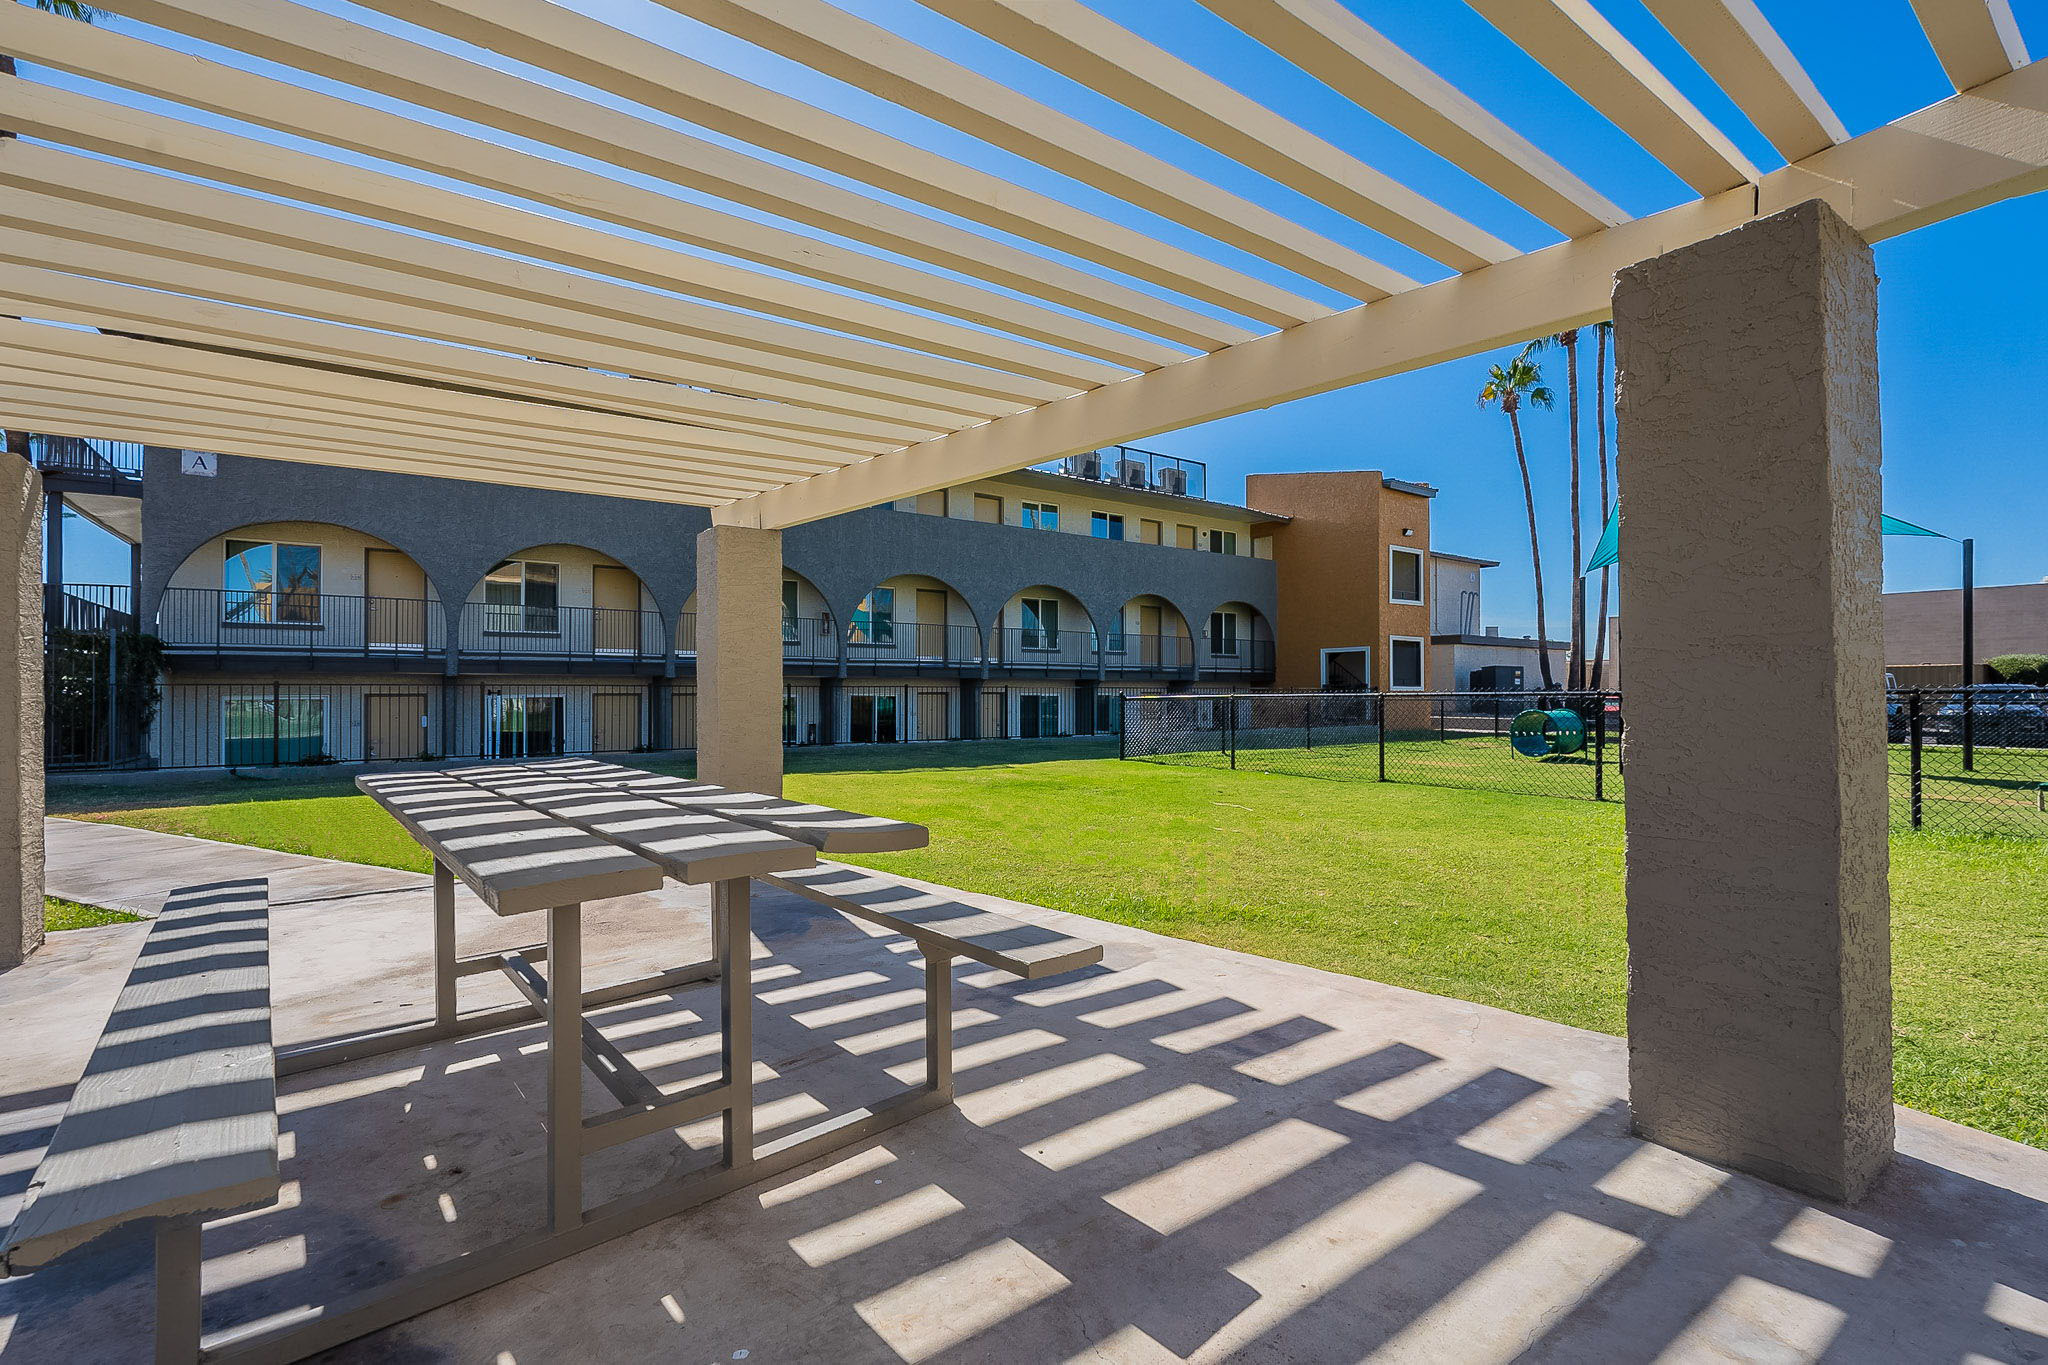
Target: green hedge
column 2021, row 668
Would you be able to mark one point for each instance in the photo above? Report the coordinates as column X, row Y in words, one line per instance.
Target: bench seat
column 939, row 922
column 175, row 1117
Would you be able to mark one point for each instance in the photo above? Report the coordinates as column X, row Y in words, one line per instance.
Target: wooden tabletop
column 824, row 828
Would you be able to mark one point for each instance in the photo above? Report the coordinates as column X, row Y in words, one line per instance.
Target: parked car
column 2001, row 715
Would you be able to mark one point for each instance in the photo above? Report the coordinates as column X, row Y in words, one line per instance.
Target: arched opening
column 807, row 634
column 300, row 587
column 912, row 620
column 1237, row 641
column 561, row 601
column 1150, row 635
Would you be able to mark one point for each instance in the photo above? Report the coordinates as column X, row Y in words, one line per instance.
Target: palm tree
column 17, row 441
column 1508, row 387
column 1602, row 333
column 1575, row 676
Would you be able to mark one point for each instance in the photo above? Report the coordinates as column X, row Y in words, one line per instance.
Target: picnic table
column 547, row 839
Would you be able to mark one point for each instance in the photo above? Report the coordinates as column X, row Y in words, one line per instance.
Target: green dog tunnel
column 1539, row 734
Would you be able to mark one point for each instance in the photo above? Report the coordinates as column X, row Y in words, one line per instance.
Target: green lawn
column 1510, row 900
column 60, row 914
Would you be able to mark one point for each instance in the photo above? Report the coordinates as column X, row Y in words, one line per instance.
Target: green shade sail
column 1608, row 550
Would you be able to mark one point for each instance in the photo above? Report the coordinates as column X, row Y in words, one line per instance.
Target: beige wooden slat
column 690, row 846
column 176, row 1114
column 1975, row 40
column 824, row 36
column 36, row 292
column 823, row 827
column 1338, row 48
column 160, row 426
column 1081, row 44
column 79, row 120
column 149, row 416
column 1952, row 157
column 1736, row 46
column 1575, row 43
column 736, row 337
column 184, row 376
column 567, row 41
column 97, row 52
column 712, row 362
column 188, row 261
column 937, row 919
column 515, row 859
column 323, row 45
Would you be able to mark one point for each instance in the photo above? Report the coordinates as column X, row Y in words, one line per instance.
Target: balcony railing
column 113, row 460
column 805, row 639
column 1027, row 649
column 1244, row 659
column 262, row 621
column 910, row 644
column 492, row 630
column 95, row 607
column 1129, row 653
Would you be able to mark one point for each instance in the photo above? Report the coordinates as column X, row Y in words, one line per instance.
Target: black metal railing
column 95, row 607
column 112, row 460
column 494, row 630
column 1240, row 658
column 1037, row 650
column 1130, row 467
column 914, row 645
column 284, row 622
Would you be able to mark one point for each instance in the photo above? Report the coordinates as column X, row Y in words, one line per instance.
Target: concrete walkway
column 1185, row 1154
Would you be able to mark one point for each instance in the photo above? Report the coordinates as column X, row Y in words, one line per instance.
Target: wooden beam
column 1738, row 48
column 97, row 242
column 1077, row 42
column 79, row 120
column 567, row 41
column 1335, row 46
column 1576, row 44
column 98, row 53
column 1967, row 151
column 1975, row 40
column 324, row 45
column 32, row 291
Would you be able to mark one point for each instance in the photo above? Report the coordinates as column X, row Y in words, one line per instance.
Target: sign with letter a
column 204, row 463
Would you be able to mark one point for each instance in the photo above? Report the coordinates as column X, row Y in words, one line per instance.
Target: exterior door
column 616, row 598
column 395, row 606
column 1148, row 636
column 931, row 623
column 933, row 711
column 395, row 725
column 614, row 722
column 995, row 713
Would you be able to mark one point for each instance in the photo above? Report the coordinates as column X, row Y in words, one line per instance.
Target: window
column 874, row 620
column 871, row 720
column 524, row 726
column 1404, row 664
column 1223, row 633
column 989, row 508
column 1106, row 525
column 1039, row 516
column 265, row 581
column 1038, row 716
column 523, row 595
column 1109, row 712
column 789, row 611
column 1404, row 575
column 1223, row 542
column 260, row 732
column 1041, row 622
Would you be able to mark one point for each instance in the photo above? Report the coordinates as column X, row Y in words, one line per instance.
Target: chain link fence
column 1962, row 760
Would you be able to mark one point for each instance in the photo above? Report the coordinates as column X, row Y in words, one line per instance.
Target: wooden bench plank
column 516, row 859
column 825, row 828
column 176, row 1115
column 690, row 846
column 935, row 918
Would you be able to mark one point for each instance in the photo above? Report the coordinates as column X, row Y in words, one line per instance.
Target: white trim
column 1422, row 647
column 1323, row 662
column 1421, row 577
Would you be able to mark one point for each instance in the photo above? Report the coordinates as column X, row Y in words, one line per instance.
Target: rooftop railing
column 1130, row 467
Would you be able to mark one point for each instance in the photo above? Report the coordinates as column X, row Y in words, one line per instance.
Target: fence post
column 1123, row 723
column 1913, row 767
column 1380, row 711
column 1600, row 749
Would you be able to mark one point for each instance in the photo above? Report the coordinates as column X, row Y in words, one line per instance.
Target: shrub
column 2021, row 668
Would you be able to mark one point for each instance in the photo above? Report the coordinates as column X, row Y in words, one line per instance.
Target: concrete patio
column 1184, row 1154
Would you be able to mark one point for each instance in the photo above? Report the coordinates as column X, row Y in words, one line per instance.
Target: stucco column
column 739, row 658
column 1759, row 1006
column 21, row 713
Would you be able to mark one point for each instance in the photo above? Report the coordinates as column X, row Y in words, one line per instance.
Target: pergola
column 852, row 319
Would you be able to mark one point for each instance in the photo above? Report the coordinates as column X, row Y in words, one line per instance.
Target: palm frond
column 69, row 9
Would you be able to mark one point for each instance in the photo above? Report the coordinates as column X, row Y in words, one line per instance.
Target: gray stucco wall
column 457, row 530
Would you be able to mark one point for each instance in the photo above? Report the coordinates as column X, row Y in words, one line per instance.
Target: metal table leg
column 177, row 1291
column 444, row 945
column 732, row 929
column 565, row 1066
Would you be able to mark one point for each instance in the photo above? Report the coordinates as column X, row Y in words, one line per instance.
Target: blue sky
column 1962, row 305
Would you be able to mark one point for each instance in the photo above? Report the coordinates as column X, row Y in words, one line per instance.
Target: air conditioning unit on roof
column 1173, row 480
column 1131, row 473
column 1087, row 466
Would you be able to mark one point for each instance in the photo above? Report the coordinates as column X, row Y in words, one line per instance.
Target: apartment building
column 311, row 613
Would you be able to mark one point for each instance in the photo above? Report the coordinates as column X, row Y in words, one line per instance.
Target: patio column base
column 21, row 715
column 1759, row 1009
column 739, row 658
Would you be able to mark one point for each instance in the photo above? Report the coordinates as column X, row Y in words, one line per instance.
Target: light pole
column 1969, row 651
